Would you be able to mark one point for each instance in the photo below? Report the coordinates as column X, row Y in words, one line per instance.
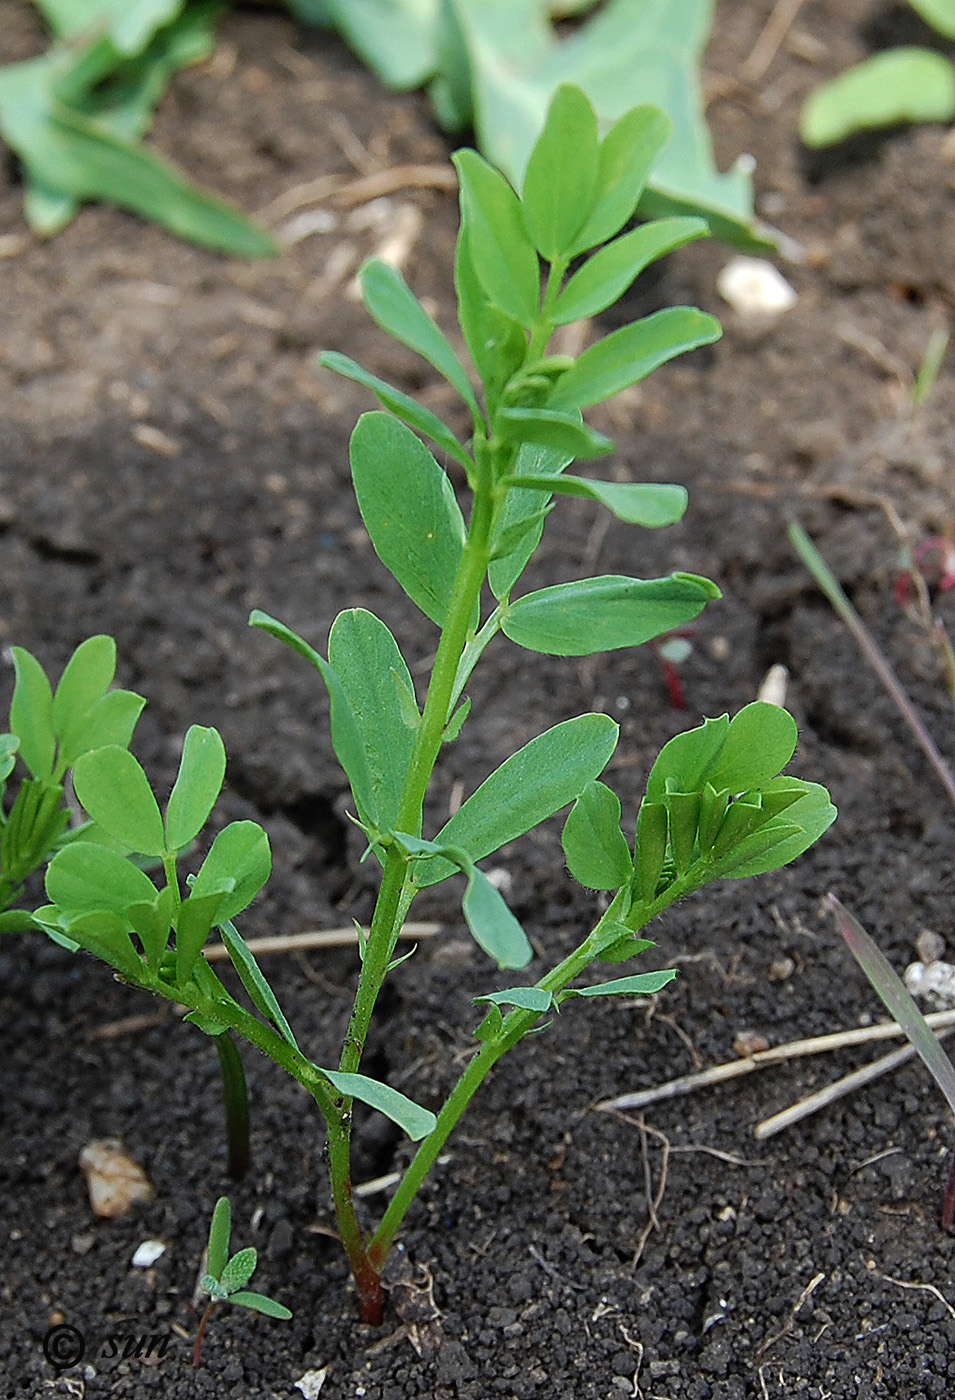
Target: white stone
column 755, row 289
column 147, row 1254
column 311, row 1383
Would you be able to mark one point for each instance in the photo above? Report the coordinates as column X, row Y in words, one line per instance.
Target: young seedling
column 225, row 1278
column 716, row 803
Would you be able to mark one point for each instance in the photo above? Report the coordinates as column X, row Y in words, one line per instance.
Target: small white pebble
column 311, row 1383
column 501, row 879
column 934, row 981
column 147, row 1254
column 755, row 289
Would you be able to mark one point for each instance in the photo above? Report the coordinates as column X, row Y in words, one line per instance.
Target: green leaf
column 683, row 813
column 940, row 14
column 525, row 998
column 605, row 277
column 397, row 38
column 782, row 839
column 109, row 720
column 194, row 920
column 637, row 503
column 238, row 1270
column 642, row 984
column 103, row 934
column 364, row 653
column 521, row 520
column 129, row 23
column 111, row 785
column 604, row 614
column 683, row 763
column 220, row 1232
column 414, row 1120
column 151, row 921
column 18, row 921
column 31, row 714
column 760, row 741
column 32, row 828
column 401, row 405
column 543, row 776
column 254, row 982
column 240, row 853
column 564, row 432
column 258, row 1302
column 86, row 677
column 561, row 175
column 627, row 155
column 651, row 846
column 503, row 256
column 197, row 785
column 70, row 153
column 346, row 737
column 82, row 877
column 493, row 926
column 900, row 85
column 409, row 510
column 631, row 353
column 9, row 746
column 398, row 311
column 627, row 946
column 497, row 343
column 596, row 849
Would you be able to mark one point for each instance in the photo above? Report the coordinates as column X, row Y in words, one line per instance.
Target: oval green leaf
column 493, row 926
column 605, row 277
column 901, row 85
column 86, row 676
column 637, row 503
column 760, row 741
column 604, row 614
column 112, row 787
column 596, row 849
column 414, row 1120
column 82, row 878
column 409, row 510
column 561, row 175
column 198, row 784
column 626, row 156
column 240, row 853
column 628, row 355
column 31, row 713
column 504, row 258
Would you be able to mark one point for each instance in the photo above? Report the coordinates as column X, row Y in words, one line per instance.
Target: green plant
column 50, row 731
column 908, row 84
column 716, row 804
column 225, row 1277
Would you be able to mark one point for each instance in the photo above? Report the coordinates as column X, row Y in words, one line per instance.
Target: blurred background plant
column 76, row 115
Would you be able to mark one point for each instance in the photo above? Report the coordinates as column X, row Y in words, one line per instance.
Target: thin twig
column 348, row 190
column 795, row 1049
column 809, row 1289
column 771, row 37
column 315, row 938
column 847, row 1085
column 925, row 1287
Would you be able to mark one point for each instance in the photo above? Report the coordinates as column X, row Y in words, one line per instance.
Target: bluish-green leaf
column 631, row 353
column 254, row 981
column 111, row 785
column 401, row 405
column 521, row 521
column 503, row 256
column 685, row 760
column 641, row 984
column 197, row 785
column 604, row 614
column 398, row 311
column 346, row 737
column 760, row 741
column 409, row 510
column 82, row 877
column 901, row 85
column 795, row 831
column 606, row 275
column 397, row 38
column 627, row 154
column 238, row 1270
column 546, row 774
column 258, row 1302
column 239, row 853
column 364, row 655
column 220, row 1231
column 596, row 849
column 31, row 713
column 525, row 998
column 414, row 1120
column 561, row 176
column 638, row 503
column 548, row 427
column 493, row 926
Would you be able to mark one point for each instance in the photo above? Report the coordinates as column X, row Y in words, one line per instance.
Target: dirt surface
column 171, row 458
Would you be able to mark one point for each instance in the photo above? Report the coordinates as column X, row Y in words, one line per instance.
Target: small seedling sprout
column 226, row 1276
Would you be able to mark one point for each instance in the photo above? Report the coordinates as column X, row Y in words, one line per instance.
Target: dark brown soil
column 171, row 458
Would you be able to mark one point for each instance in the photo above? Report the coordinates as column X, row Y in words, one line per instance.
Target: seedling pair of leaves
column 226, row 1276
column 51, row 732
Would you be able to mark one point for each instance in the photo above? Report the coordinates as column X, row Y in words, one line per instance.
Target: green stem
column 514, row 1027
column 235, row 1097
